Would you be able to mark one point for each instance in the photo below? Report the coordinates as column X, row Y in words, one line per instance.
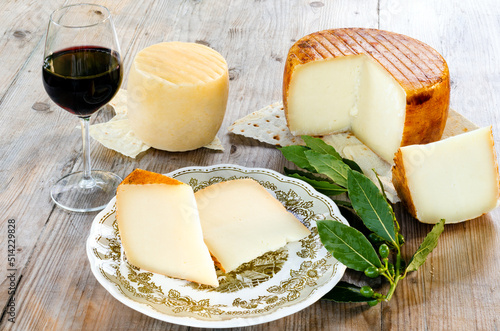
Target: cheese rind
column 160, row 228
column 177, row 95
column 242, row 221
column 456, row 178
column 399, row 85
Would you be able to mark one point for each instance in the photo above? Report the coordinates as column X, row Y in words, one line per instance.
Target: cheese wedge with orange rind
column 455, row 179
column 160, row 228
column 241, row 221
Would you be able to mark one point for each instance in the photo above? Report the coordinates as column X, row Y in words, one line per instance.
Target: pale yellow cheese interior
column 455, row 178
column 352, row 93
column 160, row 231
column 177, row 95
column 242, row 221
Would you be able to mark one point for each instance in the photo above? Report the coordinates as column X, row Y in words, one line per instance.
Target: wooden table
column 458, row 288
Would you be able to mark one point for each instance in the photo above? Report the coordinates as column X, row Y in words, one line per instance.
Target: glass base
column 75, row 193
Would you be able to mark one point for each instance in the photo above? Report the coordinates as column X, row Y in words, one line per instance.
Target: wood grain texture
column 459, row 286
column 456, row 289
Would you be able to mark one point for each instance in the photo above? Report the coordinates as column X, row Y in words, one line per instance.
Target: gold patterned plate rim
column 270, row 287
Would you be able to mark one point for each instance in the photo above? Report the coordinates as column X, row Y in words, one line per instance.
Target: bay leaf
column 371, row 206
column 310, row 175
column 426, row 247
column 347, row 245
column 329, row 165
column 318, row 145
column 353, row 165
column 295, row 154
column 324, row 187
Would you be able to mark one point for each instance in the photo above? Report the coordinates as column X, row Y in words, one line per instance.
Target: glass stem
column 87, row 181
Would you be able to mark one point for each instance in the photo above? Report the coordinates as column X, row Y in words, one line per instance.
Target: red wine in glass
column 82, row 79
column 81, row 72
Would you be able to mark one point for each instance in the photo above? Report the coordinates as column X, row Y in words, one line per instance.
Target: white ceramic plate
column 272, row 286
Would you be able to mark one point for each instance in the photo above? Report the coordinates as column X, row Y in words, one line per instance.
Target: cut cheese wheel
column 456, row 178
column 388, row 89
column 160, row 227
column 177, row 95
column 241, row 221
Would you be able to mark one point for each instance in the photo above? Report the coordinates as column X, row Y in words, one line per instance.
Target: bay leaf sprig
column 379, row 254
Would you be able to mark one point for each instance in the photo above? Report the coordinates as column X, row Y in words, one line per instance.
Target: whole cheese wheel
column 455, row 179
column 388, row 89
column 177, row 95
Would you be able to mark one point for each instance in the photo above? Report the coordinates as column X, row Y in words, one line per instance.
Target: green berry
column 374, row 238
column 401, row 239
column 372, row 272
column 383, row 250
column 366, row 291
column 372, row 303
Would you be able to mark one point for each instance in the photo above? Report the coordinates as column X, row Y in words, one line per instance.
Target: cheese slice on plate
column 456, row 178
column 160, row 227
column 241, row 221
column 388, row 89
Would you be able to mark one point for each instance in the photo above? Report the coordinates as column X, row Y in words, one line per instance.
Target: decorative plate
column 275, row 285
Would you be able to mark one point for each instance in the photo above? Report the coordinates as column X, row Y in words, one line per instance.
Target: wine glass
column 82, row 71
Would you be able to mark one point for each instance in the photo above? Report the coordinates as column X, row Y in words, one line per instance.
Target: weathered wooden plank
column 57, row 290
column 456, row 289
column 23, row 26
column 22, row 30
column 38, row 144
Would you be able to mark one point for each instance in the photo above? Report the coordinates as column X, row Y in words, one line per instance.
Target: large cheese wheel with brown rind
column 390, row 90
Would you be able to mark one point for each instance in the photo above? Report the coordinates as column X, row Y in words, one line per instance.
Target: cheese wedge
column 160, row 227
column 455, row 178
column 388, row 89
column 241, row 221
column 177, row 95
